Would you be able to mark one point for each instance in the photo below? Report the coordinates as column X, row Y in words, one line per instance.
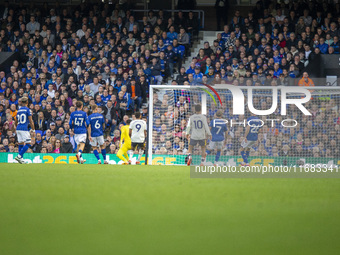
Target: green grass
column 91, row 209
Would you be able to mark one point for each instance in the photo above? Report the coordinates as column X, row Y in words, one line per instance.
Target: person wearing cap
column 211, row 73
column 198, row 75
column 237, row 31
column 58, row 122
column 53, row 128
column 214, row 46
column 66, row 145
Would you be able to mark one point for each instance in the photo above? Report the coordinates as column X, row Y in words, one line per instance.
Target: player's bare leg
column 189, row 155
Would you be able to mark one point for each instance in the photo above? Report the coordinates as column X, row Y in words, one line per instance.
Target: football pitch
column 110, row 209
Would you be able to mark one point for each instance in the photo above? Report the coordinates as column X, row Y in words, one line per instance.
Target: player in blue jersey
column 219, row 132
column 254, row 124
column 79, row 123
column 23, row 118
column 96, row 131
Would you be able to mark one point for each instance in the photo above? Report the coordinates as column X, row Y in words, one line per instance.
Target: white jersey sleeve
column 198, row 127
column 138, row 127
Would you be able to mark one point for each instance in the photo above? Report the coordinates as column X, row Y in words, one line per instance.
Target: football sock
column 20, row 147
column 244, row 156
column 80, row 152
column 130, row 153
column 140, row 154
column 24, row 149
column 202, row 159
column 104, row 154
column 95, row 152
column 218, row 154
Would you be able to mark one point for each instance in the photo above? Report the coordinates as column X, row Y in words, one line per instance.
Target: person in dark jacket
column 222, row 7
column 66, row 146
column 144, row 85
column 110, row 112
column 156, row 71
column 182, row 76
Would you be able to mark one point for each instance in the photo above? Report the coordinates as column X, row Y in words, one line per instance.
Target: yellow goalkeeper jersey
column 125, row 135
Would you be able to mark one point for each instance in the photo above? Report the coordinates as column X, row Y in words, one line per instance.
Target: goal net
column 300, row 125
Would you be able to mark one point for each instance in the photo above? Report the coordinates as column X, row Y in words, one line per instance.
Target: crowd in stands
column 96, row 53
column 271, row 45
column 102, row 54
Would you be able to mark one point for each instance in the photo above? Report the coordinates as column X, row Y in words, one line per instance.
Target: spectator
column 66, row 146
column 57, row 146
column 306, row 81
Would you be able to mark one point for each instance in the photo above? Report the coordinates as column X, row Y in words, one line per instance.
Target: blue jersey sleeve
column 225, row 128
column 89, row 119
column 103, row 123
column 86, row 120
column 71, row 120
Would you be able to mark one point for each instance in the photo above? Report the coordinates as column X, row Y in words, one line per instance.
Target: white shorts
column 23, row 136
column 248, row 144
column 218, row 145
column 80, row 138
column 97, row 141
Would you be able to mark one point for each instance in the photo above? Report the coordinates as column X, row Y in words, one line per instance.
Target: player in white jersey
column 198, row 132
column 138, row 133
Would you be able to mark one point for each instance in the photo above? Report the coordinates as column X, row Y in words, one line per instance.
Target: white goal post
column 315, row 138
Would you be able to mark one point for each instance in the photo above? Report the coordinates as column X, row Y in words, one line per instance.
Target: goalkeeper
column 125, row 143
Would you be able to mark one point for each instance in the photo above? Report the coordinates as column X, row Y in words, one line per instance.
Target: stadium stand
column 103, row 55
